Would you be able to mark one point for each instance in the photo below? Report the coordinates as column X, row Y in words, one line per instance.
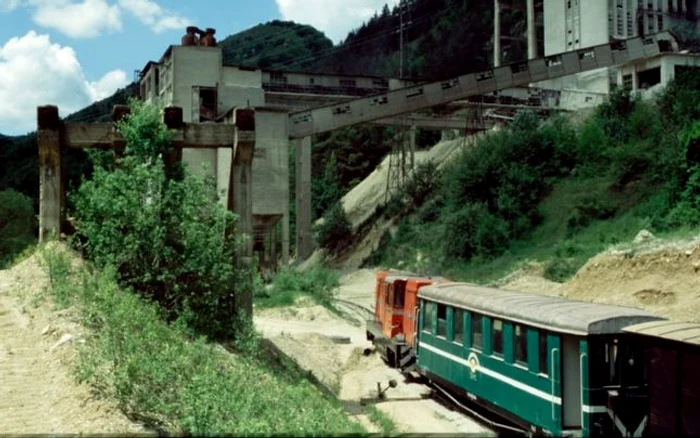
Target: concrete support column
column 531, row 30
column 304, row 241
column 50, row 173
column 496, row 33
column 240, row 199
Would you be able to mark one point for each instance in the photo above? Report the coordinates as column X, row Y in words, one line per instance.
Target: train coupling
column 381, row 393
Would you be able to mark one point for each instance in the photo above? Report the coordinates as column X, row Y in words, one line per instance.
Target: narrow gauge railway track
column 438, row 393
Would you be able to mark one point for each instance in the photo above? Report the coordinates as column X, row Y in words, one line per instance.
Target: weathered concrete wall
column 236, row 77
column 195, row 66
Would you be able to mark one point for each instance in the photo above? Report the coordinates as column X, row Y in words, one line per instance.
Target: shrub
column 474, row 231
column 168, row 238
column 17, row 224
column 318, row 283
column 335, row 232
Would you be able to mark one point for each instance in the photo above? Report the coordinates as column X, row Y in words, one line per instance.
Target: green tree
column 17, row 224
column 168, row 238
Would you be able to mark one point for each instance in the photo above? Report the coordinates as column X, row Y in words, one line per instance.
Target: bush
column 162, row 229
column 335, row 232
column 318, row 283
column 17, row 224
column 474, row 231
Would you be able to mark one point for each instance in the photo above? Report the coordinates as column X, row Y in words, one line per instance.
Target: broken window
column 207, row 104
column 648, row 78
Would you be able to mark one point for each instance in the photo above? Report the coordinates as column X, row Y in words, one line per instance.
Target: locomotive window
column 477, row 332
column 399, row 292
column 441, row 320
column 497, row 337
column 458, row 325
column 544, row 353
column 520, row 335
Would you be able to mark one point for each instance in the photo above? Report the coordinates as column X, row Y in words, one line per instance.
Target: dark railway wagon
column 672, row 351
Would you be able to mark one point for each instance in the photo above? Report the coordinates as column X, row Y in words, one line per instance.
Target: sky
column 71, row 53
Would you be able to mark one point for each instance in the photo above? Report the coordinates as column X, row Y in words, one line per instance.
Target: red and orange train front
column 395, row 314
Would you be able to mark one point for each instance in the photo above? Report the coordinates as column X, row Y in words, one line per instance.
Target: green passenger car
column 551, row 365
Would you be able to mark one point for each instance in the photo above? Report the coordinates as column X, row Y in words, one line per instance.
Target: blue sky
column 72, row 52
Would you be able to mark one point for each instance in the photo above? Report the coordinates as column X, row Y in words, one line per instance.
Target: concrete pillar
column 496, row 33
column 273, row 246
column 531, row 30
column 240, row 201
column 50, row 174
column 304, row 241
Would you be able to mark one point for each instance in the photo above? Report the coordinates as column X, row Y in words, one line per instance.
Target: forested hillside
column 274, row 45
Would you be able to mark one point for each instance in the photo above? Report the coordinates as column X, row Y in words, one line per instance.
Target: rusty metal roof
column 542, row 311
column 686, row 332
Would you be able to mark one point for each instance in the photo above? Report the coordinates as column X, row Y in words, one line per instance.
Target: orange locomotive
column 393, row 330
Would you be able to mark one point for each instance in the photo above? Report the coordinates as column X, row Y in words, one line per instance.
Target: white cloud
column 154, row 16
column 92, row 18
column 37, row 72
column 86, row 19
column 334, row 18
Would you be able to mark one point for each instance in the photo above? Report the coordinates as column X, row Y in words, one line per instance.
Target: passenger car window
column 442, row 320
column 497, row 336
column 520, row 342
column 429, row 318
column 458, row 325
column 477, row 332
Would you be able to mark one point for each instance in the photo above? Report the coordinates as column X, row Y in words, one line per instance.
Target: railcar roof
column 685, row 332
column 552, row 313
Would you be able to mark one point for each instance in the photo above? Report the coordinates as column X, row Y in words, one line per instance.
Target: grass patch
column 318, row 284
column 382, row 420
column 165, row 376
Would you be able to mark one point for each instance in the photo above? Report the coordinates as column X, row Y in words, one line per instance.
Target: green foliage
column 277, row 44
column 167, row 238
column 288, row 285
column 559, row 194
column 178, row 383
column 335, row 231
column 17, row 225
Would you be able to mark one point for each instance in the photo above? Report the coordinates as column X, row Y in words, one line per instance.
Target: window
column 311, row 81
column 497, row 337
column 458, row 325
column 520, row 342
column 544, row 353
column 441, row 320
column 477, row 332
column 348, row 83
column 399, row 291
column 429, row 316
column 627, row 81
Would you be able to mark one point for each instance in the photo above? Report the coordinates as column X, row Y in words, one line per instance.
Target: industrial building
column 557, row 26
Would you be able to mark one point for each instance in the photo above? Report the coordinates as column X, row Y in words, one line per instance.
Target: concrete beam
column 50, row 173
column 304, row 242
column 193, row 135
column 422, row 96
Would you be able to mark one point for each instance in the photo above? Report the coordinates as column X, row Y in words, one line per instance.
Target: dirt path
column 37, row 391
